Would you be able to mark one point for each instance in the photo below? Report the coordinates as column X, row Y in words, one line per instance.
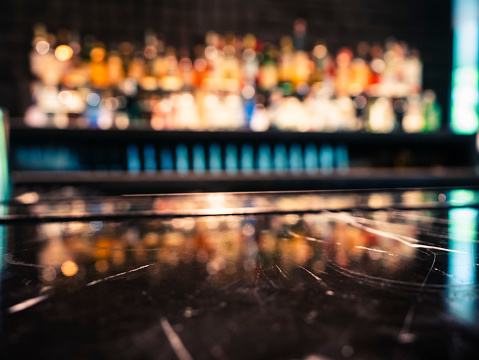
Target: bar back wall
column 423, row 24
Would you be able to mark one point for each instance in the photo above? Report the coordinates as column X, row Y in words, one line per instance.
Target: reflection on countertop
column 361, row 275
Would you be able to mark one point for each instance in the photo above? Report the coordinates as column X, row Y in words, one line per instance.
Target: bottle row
column 230, row 82
column 200, row 159
column 201, row 110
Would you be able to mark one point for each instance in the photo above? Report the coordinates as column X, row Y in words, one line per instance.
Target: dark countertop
column 310, row 275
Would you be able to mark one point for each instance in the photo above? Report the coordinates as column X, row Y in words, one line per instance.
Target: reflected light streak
column 462, row 264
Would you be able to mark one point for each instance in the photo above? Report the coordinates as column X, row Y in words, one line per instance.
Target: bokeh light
column 63, row 52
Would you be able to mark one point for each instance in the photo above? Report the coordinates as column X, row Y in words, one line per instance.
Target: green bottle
column 431, row 112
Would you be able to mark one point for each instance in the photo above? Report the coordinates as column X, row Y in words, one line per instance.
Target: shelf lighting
column 464, row 92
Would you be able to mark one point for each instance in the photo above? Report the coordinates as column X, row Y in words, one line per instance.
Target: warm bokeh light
column 320, row 51
column 65, row 97
column 97, row 54
column 28, row 198
column 63, row 52
column 42, row 47
column 69, row 268
column 248, row 92
column 150, row 52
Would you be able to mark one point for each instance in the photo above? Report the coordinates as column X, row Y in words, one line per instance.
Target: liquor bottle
column 413, row 120
column 185, row 115
column 360, row 77
column 381, row 116
column 286, row 72
column 260, row 120
column 172, row 80
column 347, row 114
column 268, row 71
column 99, row 76
column 431, row 111
column 413, row 72
column 116, row 73
column 200, row 66
column 159, row 67
column 343, row 72
column 318, row 104
column 230, row 68
column 250, row 63
column 235, row 112
column 149, row 81
column 377, row 66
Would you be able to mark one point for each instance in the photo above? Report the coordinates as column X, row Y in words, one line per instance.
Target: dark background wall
column 424, row 24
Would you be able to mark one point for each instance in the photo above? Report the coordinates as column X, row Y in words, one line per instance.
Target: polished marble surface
column 298, row 275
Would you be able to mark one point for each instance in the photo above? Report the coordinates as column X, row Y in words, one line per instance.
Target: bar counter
column 386, row 274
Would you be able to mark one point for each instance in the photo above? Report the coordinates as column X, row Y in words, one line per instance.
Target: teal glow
column 3, row 242
column 462, row 264
column 199, row 163
column 280, row 158
column 342, row 158
column 295, row 158
column 326, row 159
column 247, row 158
column 4, row 178
column 264, row 158
column 166, row 160
column 311, row 158
column 182, row 163
column 149, row 153
column 215, row 158
column 133, row 159
column 464, row 94
column 231, row 159
column 460, row 197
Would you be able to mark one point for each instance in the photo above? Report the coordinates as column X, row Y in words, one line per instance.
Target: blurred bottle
column 99, row 75
column 431, row 111
column 268, row 71
column 413, row 118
